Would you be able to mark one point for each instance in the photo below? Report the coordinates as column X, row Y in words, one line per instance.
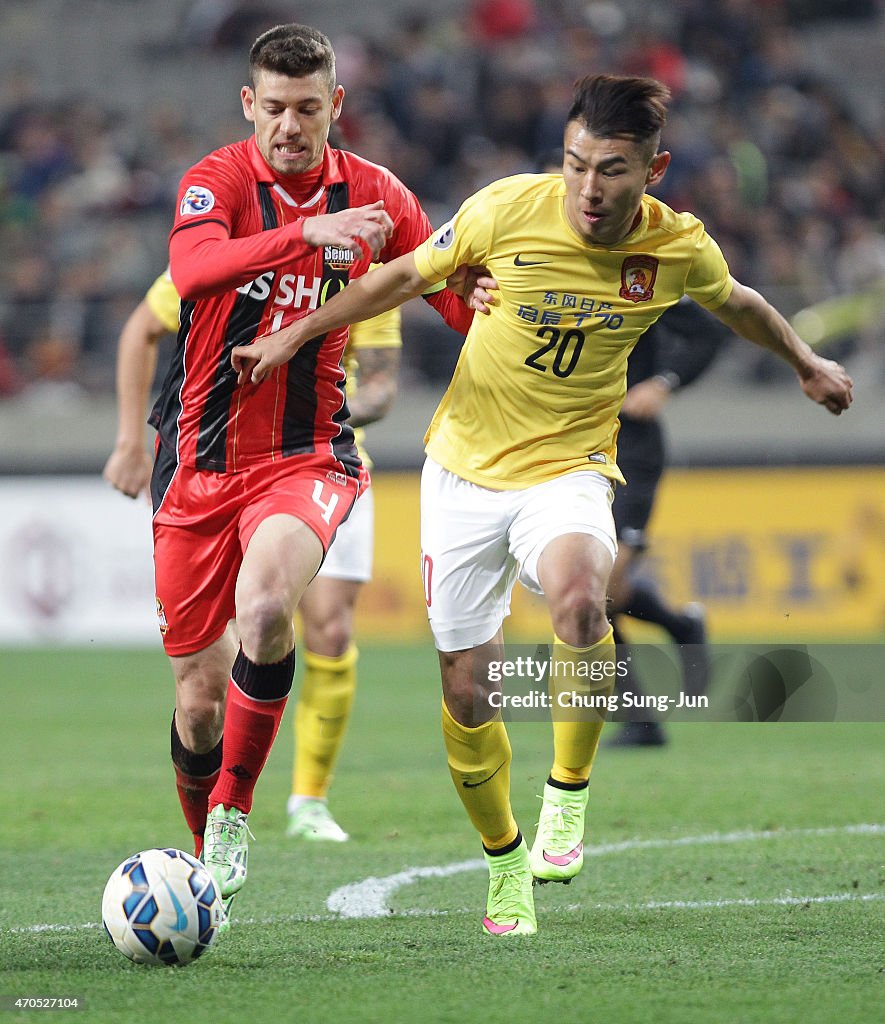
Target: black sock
column 629, row 681
column 647, row 603
column 571, row 787
column 509, row 848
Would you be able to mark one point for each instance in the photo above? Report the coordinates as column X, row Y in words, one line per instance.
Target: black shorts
column 641, row 457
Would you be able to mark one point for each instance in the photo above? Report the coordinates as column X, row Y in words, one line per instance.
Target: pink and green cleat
column 558, row 850
column 511, row 904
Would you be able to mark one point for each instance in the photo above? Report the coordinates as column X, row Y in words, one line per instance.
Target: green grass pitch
column 726, row 881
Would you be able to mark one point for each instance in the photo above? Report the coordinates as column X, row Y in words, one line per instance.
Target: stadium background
column 774, row 515
column 735, row 874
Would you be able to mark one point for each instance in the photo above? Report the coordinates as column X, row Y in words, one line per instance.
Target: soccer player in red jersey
column 330, row 657
column 250, row 484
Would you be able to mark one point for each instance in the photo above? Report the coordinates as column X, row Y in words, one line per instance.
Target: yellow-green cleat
column 558, row 850
column 311, row 819
column 511, row 904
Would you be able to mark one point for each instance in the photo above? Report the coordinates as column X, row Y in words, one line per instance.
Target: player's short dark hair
column 618, row 106
column 293, row 50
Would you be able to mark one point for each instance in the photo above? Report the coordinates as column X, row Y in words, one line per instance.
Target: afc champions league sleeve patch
column 445, row 237
column 196, row 199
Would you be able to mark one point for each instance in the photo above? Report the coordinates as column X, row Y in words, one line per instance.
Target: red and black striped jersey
column 238, row 258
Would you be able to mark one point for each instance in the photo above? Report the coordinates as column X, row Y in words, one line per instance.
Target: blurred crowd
column 771, row 154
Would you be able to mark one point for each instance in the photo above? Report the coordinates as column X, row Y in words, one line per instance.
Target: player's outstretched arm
column 128, row 468
column 388, row 286
column 747, row 313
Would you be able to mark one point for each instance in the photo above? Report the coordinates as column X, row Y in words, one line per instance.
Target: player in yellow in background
column 328, row 685
column 521, row 454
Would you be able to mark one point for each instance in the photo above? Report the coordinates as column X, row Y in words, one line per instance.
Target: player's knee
column 265, row 625
column 199, row 719
column 331, row 637
column 579, row 614
column 465, row 688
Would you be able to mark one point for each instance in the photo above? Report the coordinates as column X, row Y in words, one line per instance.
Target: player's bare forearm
column 128, row 468
column 366, row 297
column 377, row 385
column 747, row 313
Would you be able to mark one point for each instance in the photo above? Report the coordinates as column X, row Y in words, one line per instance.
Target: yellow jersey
column 383, row 331
column 164, row 301
column 540, row 380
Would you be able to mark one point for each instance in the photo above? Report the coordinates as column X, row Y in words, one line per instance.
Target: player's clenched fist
column 365, row 227
column 827, row 383
column 254, row 362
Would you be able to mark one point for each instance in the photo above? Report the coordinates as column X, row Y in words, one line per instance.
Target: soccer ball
column 161, row 907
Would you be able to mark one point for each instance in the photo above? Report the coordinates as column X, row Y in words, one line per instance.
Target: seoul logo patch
column 638, row 275
column 446, row 237
column 337, row 258
column 196, row 200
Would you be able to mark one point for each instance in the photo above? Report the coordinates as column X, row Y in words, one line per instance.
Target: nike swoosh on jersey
column 518, row 261
column 488, row 778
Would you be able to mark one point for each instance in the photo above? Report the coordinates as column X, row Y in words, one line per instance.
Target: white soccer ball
column 161, row 907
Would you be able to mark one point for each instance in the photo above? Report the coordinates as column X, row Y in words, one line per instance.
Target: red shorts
column 205, row 522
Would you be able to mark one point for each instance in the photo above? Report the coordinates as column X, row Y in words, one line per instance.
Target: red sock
column 256, row 699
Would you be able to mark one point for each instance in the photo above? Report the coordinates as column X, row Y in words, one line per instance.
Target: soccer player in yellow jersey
column 521, row 454
column 330, row 657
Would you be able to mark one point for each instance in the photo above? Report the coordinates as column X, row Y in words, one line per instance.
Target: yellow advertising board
column 771, row 553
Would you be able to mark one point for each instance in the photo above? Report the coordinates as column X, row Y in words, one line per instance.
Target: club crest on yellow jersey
column 638, row 275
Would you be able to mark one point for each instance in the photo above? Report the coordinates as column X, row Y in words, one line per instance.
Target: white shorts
column 475, row 544
column 350, row 554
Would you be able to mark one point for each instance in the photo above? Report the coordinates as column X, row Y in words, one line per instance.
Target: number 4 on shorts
column 328, row 507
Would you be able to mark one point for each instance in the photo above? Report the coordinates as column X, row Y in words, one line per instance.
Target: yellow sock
column 479, row 762
column 576, row 732
column 321, row 718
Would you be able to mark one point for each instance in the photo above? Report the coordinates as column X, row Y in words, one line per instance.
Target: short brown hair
column 617, row 106
column 293, row 50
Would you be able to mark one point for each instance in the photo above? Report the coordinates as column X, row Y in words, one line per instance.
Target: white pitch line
column 776, row 901
column 370, row 897
column 746, row 901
